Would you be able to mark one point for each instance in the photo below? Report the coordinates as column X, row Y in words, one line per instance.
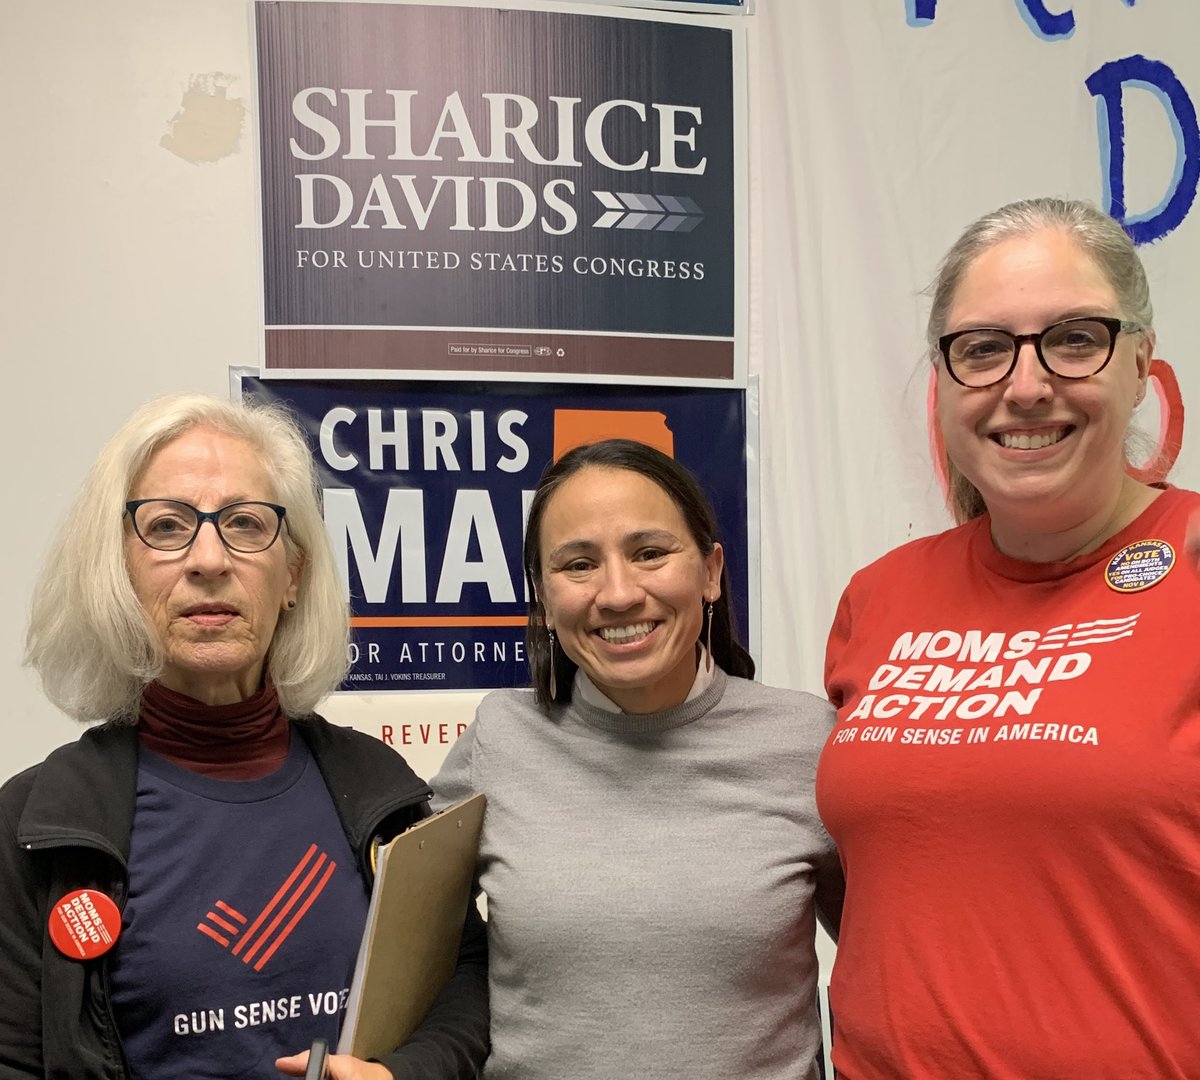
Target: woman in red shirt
column 1013, row 782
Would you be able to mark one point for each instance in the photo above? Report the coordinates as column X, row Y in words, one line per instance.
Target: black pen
column 318, row 1066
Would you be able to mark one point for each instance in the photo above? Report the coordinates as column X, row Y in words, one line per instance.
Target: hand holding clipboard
column 423, row 884
column 414, row 924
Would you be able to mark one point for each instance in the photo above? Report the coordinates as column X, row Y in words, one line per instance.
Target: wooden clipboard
column 423, row 884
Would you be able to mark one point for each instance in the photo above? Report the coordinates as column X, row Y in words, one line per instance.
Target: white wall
column 128, row 271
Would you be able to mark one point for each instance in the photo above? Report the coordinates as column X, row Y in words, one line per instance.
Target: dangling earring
column 708, row 660
column 553, row 680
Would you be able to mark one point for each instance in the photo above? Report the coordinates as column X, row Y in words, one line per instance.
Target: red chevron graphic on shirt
column 224, row 924
column 278, row 918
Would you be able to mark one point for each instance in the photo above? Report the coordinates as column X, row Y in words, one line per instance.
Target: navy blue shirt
column 243, row 921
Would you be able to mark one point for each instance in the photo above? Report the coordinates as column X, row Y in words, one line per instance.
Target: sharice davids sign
column 727, row 7
column 451, row 191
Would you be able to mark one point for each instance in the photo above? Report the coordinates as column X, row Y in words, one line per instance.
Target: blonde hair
column 1098, row 235
column 89, row 638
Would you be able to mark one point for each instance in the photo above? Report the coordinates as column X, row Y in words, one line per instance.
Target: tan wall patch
column 208, row 126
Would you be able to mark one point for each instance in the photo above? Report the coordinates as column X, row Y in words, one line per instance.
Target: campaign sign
column 427, row 488
column 726, row 7
column 451, row 191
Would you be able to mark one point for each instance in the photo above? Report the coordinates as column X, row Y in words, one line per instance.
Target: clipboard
column 410, row 943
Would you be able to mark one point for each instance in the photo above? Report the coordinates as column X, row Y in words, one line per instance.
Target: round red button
column 84, row 924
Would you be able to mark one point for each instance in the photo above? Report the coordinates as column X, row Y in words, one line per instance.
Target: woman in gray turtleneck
column 651, row 855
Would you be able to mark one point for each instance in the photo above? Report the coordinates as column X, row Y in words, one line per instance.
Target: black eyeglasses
column 171, row 525
column 1071, row 349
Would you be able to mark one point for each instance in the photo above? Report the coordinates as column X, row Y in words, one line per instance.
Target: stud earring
column 553, row 679
column 291, row 604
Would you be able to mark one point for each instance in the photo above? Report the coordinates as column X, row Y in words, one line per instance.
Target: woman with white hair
column 184, row 888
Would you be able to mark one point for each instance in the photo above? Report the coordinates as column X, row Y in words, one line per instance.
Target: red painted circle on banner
column 84, row 924
column 1165, row 385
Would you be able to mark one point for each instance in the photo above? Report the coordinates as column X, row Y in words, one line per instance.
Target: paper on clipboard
column 410, row 944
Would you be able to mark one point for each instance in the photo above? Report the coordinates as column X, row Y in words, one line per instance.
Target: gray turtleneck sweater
column 650, row 883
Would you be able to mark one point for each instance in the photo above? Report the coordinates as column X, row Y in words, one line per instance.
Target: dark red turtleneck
column 243, row 741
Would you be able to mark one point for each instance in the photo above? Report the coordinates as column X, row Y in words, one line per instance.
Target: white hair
column 90, row 639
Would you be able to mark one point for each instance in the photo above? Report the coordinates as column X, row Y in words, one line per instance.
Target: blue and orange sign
column 427, row 487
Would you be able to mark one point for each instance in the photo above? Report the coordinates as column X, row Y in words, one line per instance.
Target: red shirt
column 1013, row 784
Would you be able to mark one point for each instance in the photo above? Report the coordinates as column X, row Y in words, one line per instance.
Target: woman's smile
column 633, row 634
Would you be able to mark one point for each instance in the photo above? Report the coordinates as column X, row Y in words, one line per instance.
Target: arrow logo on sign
column 662, row 213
